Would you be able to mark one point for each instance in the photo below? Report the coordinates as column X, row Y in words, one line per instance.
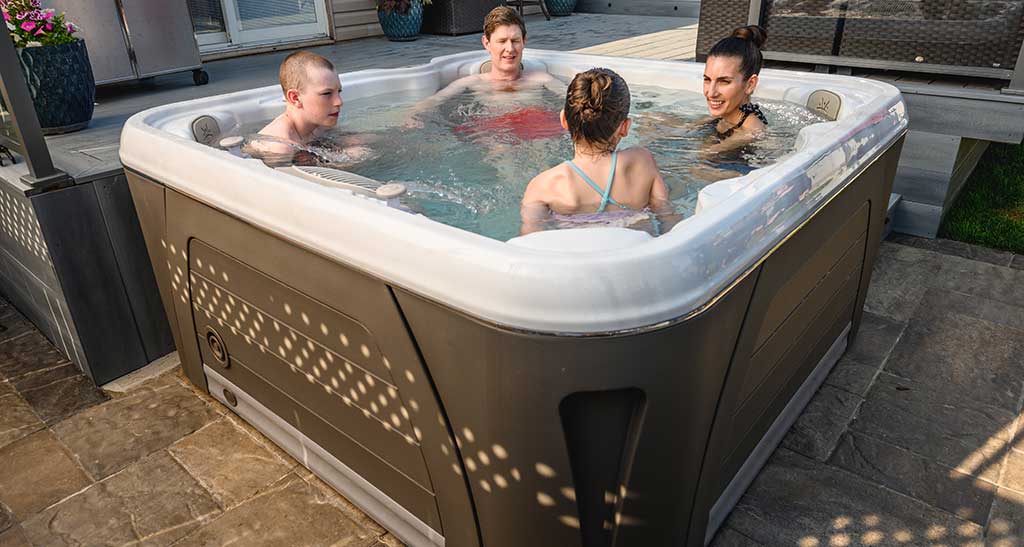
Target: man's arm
column 451, row 90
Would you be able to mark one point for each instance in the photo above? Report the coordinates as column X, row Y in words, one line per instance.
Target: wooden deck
column 676, row 44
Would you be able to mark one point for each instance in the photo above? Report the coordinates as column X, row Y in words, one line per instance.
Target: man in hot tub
column 312, row 94
column 504, row 38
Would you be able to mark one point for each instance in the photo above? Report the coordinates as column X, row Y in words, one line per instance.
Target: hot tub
column 576, row 387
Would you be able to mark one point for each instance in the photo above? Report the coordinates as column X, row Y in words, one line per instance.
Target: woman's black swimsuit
column 747, row 110
column 733, row 160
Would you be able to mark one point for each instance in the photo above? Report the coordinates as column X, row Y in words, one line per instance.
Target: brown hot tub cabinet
column 500, row 437
column 454, row 428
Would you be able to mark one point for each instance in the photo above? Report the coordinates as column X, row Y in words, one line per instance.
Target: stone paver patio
column 914, row 439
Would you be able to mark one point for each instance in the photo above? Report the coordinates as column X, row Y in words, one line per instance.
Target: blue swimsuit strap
column 606, row 194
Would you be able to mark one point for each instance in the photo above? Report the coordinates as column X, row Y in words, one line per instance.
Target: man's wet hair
column 502, row 16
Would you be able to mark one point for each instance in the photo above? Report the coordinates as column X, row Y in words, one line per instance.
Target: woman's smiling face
column 725, row 88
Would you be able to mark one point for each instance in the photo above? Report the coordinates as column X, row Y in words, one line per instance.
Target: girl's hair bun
column 596, row 103
column 589, row 100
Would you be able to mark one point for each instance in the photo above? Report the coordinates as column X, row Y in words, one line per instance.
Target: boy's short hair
column 296, row 66
column 502, row 16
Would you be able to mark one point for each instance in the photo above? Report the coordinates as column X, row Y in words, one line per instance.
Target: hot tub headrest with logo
column 206, row 130
column 825, row 103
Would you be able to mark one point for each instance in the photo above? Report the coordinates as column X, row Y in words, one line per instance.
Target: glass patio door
column 208, row 22
column 225, row 23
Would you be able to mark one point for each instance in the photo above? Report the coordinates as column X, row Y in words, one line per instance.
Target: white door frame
column 287, row 33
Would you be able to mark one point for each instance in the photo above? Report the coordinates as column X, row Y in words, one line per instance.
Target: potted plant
column 55, row 64
column 561, row 8
column 401, row 19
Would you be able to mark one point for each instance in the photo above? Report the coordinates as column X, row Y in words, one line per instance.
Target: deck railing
column 19, row 125
column 977, row 38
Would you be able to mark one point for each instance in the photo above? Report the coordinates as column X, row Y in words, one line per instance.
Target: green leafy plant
column 32, row 26
column 401, row 6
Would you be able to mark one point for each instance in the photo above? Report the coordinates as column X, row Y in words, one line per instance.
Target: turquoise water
column 467, row 161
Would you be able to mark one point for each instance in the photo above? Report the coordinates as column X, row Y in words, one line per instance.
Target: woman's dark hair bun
column 753, row 33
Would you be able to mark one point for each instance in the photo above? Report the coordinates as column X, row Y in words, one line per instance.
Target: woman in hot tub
column 599, row 179
column 730, row 78
column 312, row 94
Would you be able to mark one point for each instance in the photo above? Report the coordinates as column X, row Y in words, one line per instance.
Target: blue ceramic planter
column 61, row 85
column 561, row 8
column 402, row 27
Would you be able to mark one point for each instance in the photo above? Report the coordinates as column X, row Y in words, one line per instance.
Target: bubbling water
column 467, row 162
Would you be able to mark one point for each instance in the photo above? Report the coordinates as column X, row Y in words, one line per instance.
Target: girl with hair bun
column 730, row 78
column 599, row 178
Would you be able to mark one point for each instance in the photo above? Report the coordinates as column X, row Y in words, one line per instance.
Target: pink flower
column 48, row 14
column 71, row 28
column 28, row 25
column 7, row 16
column 49, row 27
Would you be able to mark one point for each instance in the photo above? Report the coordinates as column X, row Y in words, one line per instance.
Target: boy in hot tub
column 312, row 94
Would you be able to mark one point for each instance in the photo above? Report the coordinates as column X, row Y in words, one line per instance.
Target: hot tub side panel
column 808, row 290
column 585, row 441
column 320, row 345
column 150, row 206
column 604, row 440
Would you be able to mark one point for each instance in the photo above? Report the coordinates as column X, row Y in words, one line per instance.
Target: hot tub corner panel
column 321, row 346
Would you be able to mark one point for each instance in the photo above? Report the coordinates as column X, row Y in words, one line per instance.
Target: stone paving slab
column 346, row 507
column 14, row 537
column 36, row 473
column 898, row 282
column 27, row 354
column 944, row 344
column 228, row 462
column 857, row 369
column 293, row 513
column 13, row 324
column 798, row 501
column 727, row 537
column 59, row 400
column 916, row 476
column 958, row 432
column 1006, row 526
column 16, row 419
column 1017, row 262
column 43, row 378
column 6, row 518
column 109, row 437
column 822, row 423
column 956, row 248
column 153, row 502
column 1013, row 475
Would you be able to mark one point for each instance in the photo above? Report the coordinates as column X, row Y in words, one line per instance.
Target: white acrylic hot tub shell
column 540, row 289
